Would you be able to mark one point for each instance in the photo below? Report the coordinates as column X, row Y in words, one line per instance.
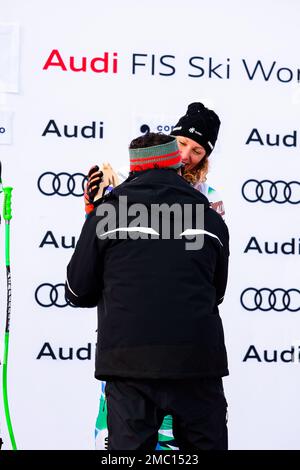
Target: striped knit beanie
column 166, row 155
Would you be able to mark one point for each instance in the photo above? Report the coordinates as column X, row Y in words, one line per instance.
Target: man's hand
column 95, row 177
column 100, row 181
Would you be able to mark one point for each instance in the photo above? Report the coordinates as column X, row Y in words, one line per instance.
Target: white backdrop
column 241, row 57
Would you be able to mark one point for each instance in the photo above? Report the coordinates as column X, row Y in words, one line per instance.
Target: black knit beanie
column 200, row 124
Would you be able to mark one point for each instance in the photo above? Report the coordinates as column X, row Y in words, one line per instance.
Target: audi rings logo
column 267, row 299
column 271, row 191
column 62, row 184
column 49, row 295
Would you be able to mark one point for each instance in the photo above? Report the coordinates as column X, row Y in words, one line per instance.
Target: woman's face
column 191, row 152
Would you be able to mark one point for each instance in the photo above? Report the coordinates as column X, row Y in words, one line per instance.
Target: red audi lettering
column 103, row 61
column 51, row 63
column 83, row 65
column 103, row 64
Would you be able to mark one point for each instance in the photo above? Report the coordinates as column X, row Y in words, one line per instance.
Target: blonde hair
column 198, row 173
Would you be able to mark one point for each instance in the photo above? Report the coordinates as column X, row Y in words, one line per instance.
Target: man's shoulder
column 215, row 221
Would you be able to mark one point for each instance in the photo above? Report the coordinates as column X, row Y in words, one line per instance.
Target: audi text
column 93, row 131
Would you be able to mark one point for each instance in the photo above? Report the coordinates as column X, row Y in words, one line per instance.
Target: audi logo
column 267, row 299
column 49, row 295
column 271, row 191
column 62, row 184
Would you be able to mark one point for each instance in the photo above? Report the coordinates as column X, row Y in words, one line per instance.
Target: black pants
column 136, row 409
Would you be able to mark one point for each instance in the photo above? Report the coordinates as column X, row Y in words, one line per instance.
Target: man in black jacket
column 144, row 271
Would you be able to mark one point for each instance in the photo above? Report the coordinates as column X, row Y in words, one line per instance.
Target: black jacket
column 157, row 301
